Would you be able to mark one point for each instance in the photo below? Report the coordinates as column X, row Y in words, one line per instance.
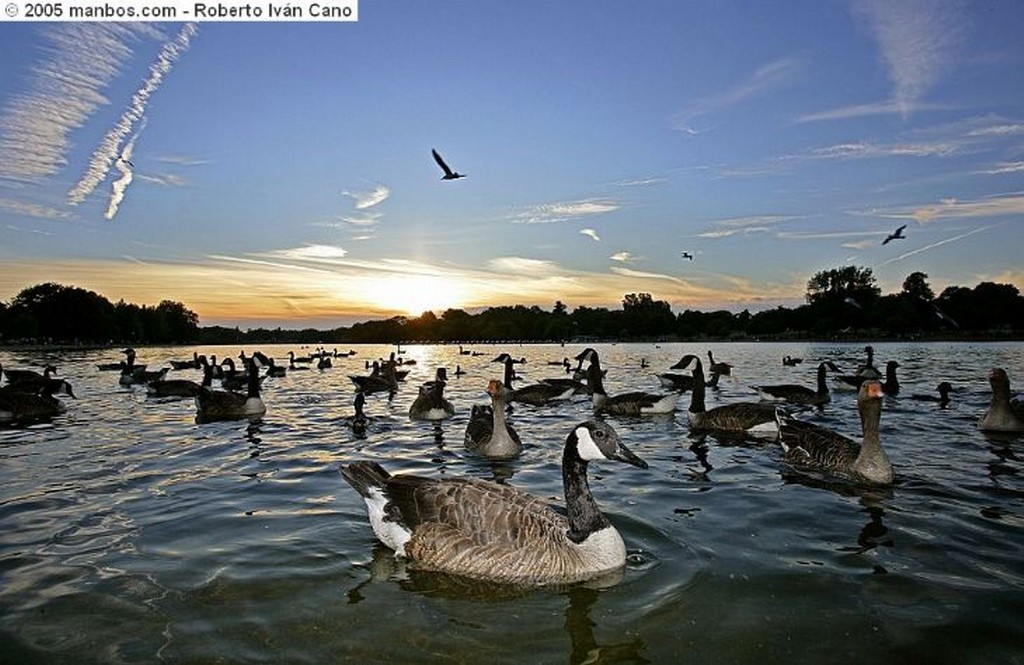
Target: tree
column 916, row 285
column 842, row 283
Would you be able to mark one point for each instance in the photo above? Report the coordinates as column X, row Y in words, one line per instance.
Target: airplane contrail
column 936, row 244
column 110, row 147
column 125, row 166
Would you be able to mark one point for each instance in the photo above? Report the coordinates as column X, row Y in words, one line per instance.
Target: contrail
column 936, row 244
column 110, row 147
column 124, row 165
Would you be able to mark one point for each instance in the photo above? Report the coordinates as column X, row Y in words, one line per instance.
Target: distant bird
column 126, row 161
column 718, row 368
column 790, row 361
column 688, row 256
column 895, row 235
column 944, row 389
column 359, row 421
column 488, row 434
column 448, row 173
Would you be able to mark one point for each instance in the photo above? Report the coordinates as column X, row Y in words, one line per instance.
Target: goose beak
column 624, row 454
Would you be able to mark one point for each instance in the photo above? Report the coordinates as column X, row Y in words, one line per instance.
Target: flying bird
column 126, row 161
column 448, row 173
column 895, row 235
column 687, row 255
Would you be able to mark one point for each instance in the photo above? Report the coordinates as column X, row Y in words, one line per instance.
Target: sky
column 280, row 174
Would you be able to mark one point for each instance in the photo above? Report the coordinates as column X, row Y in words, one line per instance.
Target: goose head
column 593, row 440
column 685, row 361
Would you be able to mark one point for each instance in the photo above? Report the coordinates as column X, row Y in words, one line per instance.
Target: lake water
column 132, row 534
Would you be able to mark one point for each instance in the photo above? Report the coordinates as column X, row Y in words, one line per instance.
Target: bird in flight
column 895, row 235
column 126, row 161
column 448, row 173
column 687, row 255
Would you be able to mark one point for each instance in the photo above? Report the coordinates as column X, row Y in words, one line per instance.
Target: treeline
column 840, row 302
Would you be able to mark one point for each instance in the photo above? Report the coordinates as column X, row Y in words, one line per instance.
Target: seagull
column 126, row 161
column 448, row 173
column 895, row 235
column 687, row 255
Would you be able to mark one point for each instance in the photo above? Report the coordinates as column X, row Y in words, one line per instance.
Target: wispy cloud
column 181, row 160
column 865, row 150
column 523, row 266
column 1005, row 167
column 124, row 165
column 110, row 147
column 744, row 225
column 591, row 233
column 33, row 209
column 622, row 257
column 559, row 212
column 1005, row 129
column 767, row 78
column 641, row 182
column 364, row 200
column 65, row 89
column 995, row 206
column 311, row 253
column 918, row 40
column 877, row 108
column 164, row 179
column 627, row 272
column 364, row 220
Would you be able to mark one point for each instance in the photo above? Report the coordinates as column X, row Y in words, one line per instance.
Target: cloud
column 110, row 147
column 165, row 179
column 591, row 233
column 182, row 160
column 1005, row 167
column 1012, row 129
column 864, row 150
column 311, row 253
column 641, row 182
column 877, row 108
column 523, row 266
column 364, row 220
column 995, row 206
column 364, row 200
column 766, row 78
column 559, row 212
column 918, row 40
column 627, row 272
column 745, row 225
column 33, row 210
column 65, row 89
column 124, row 165
column 623, row 257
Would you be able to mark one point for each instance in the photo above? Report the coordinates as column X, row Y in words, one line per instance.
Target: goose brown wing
column 739, row 416
column 809, row 444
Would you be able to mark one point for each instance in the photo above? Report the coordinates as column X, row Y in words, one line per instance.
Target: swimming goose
column 430, row 403
column 535, row 394
column 44, row 385
column 790, row 361
column 16, row 405
column 20, row 375
column 132, row 375
column 172, row 388
column 752, row 418
column 1003, row 415
column 812, row 446
column 225, row 405
column 943, row 389
column 797, row 394
column 359, row 421
column 491, row 531
column 487, row 433
column 186, row 364
column 684, row 382
column 868, row 369
column 324, row 362
column 119, row 366
column 273, row 369
column 891, row 385
column 233, row 378
column 378, row 380
column 718, row 368
column 634, row 403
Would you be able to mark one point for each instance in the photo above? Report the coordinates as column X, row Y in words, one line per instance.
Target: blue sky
column 280, row 173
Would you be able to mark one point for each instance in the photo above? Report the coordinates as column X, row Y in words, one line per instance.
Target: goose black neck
column 508, row 373
column 584, row 515
column 698, row 391
column 822, row 386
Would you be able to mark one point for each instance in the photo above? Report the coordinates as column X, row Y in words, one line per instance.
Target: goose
column 891, row 385
column 224, row 405
column 491, row 531
column 430, row 403
column 120, row 365
column 535, row 394
column 718, row 368
column 172, row 388
column 358, row 421
column 448, row 173
column 130, row 375
column 43, row 385
column 324, row 362
column 378, row 380
column 16, row 405
column 790, row 361
column 943, row 389
column 868, row 369
column 684, row 382
column 797, row 394
column 233, row 378
column 751, row 418
column 186, row 364
column 1003, row 415
column 634, row 403
column 487, row 433
column 293, row 359
column 895, row 235
column 462, row 351
column 273, row 369
column 812, row 446
column 20, row 375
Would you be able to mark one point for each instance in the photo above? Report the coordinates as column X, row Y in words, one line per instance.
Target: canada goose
column 20, row 375
column 294, row 359
column 44, row 385
column 487, row 433
column 16, row 405
column 448, row 173
column 172, row 388
column 491, row 531
column 895, row 235
column 358, row 421
column 790, row 361
column 535, row 394
column 225, row 405
column 273, row 369
column 797, row 394
column 943, row 389
column 430, row 403
column 634, row 403
column 118, row 366
column 378, row 380
column 684, row 382
column 130, row 375
column 812, row 446
column 233, row 378
column 688, row 256
column 752, row 418
column 891, row 385
column 186, row 364
column 718, row 368
column 1003, row 415
column 323, row 362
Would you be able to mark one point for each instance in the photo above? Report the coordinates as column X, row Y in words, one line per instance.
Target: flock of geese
column 492, row 531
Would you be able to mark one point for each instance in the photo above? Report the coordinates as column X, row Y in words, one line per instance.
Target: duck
column 749, row 418
column 430, row 403
column 495, row 532
column 488, row 434
column 535, row 394
column 815, row 447
column 18, row 405
column 635, row 403
column 718, row 368
column 891, row 385
column 1003, row 414
column 797, row 394
column 359, row 421
column 790, row 361
column 226, row 405
column 944, row 389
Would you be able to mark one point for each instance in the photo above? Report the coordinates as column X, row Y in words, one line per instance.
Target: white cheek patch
column 585, row 445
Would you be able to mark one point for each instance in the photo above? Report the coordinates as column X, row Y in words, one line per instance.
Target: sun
column 414, row 294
